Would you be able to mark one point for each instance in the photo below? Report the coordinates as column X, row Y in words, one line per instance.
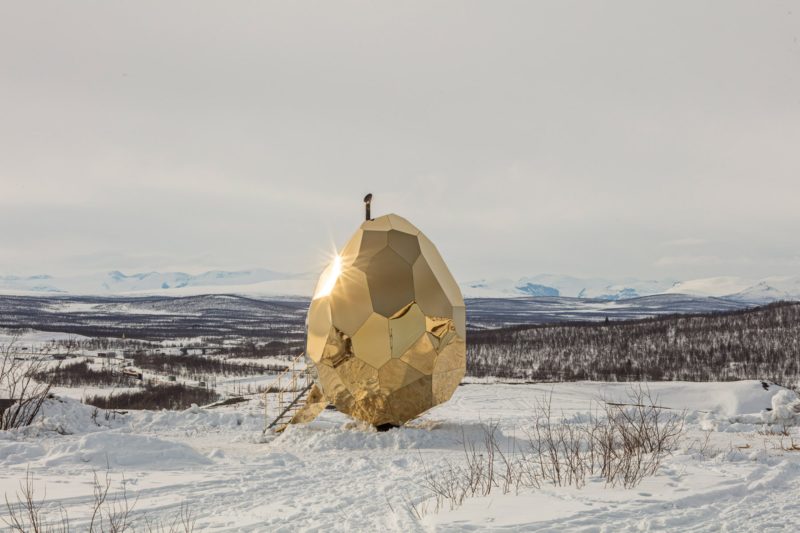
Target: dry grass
column 111, row 512
column 622, row 444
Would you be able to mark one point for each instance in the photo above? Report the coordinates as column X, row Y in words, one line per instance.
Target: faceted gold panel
column 333, row 388
column 434, row 259
column 430, row 296
column 421, row 355
column 372, row 242
column 350, row 301
column 390, row 282
column 372, row 343
column 415, row 398
column 442, row 331
column 450, row 357
column 405, row 327
column 406, row 246
column 350, row 252
column 338, row 349
column 319, row 325
column 401, row 224
column 444, row 384
column 378, row 224
column 387, row 326
column 460, row 320
column 359, row 377
column 396, row 374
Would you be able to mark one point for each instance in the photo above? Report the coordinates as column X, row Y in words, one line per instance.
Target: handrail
column 289, row 406
column 289, row 368
column 292, row 373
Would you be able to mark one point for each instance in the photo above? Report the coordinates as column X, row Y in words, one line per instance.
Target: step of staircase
column 286, row 395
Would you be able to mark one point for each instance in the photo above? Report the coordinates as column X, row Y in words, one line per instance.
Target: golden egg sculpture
column 387, row 325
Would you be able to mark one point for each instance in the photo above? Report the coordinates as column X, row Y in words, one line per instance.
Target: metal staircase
column 287, row 395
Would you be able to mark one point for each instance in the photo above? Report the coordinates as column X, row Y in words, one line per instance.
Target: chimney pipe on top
column 367, row 205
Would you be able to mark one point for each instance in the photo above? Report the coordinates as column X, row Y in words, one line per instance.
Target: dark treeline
column 81, row 374
column 245, row 348
column 107, row 343
column 186, row 365
column 152, row 396
column 164, row 317
column 274, row 348
column 760, row 343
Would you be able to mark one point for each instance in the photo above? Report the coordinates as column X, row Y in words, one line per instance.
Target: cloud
column 690, row 260
column 686, row 241
column 523, row 137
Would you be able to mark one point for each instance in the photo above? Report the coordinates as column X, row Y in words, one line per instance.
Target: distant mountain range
column 732, row 288
column 566, row 286
column 256, row 281
column 262, row 282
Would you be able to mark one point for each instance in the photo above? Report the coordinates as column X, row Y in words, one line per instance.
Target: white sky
column 650, row 139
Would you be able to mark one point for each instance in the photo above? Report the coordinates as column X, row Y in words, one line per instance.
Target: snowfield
column 735, row 469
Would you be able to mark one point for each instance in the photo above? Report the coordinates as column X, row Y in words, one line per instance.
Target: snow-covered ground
column 733, row 471
column 35, row 339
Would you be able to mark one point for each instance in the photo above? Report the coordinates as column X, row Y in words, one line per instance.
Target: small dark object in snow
column 229, row 401
column 385, row 427
column 5, row 403
column 765, row 385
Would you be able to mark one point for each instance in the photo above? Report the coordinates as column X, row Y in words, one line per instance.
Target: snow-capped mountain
column 263, row 282
column 741, row 289
column 770, row 290
column 766, row 290
column 117, row 281
column 565, row 286
column 718, row 286
column 257, row 281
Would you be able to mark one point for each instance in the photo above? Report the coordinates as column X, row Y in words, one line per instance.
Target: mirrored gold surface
column 371, row 342
column 350, row 300
column 387, row 326
column 405, row 327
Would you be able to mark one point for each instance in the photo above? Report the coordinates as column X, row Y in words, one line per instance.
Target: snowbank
column 316, row 437
column 196, row 419
column 67, row 416
column 785, row 408
column 124, row 450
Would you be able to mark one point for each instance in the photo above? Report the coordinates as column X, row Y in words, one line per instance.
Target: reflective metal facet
column 405, row 327
column 372, row 341
column 387, row 327
column 350, row 300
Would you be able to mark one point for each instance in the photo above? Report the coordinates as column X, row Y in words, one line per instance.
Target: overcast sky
column 646, row 139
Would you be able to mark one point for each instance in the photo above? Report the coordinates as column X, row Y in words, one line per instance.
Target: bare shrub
column 26, row 514
column 635, row 439
column 193, row 366
column 557, row 452
column 112, row 515
column 19, row 385
column 81, row 374
column 184, row 522
column 272, row 348
column 156, row 396
column 111, row 512
column 622, row 443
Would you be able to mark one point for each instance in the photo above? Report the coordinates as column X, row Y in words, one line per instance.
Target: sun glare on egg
column 329, row 277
